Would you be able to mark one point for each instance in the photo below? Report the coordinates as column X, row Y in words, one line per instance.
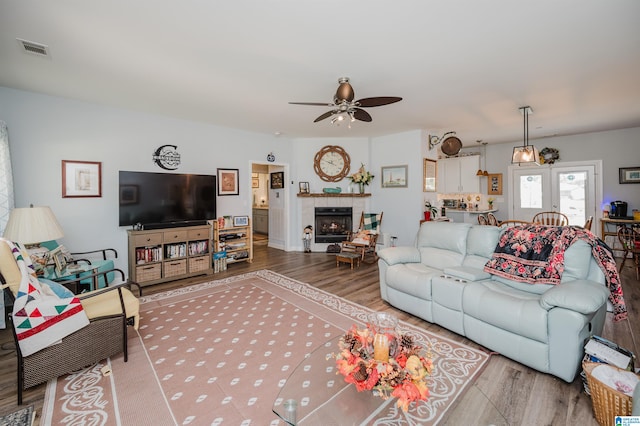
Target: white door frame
column 598, row 181
column 286, row 223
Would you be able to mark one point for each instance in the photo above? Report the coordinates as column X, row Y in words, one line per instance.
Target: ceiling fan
column 344, row 106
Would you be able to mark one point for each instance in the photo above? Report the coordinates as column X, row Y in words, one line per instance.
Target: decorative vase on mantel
column 361, row 187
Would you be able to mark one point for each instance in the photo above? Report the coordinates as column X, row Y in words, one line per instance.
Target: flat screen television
column 166, row 199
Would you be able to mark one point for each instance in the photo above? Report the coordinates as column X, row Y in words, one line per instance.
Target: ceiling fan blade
column 378, row 101
column 313, row 103
column 362, row 115
column 325, row 115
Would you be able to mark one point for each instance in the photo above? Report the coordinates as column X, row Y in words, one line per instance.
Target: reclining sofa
column 442, row 280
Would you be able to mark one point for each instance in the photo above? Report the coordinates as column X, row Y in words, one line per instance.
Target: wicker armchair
column 105, row 336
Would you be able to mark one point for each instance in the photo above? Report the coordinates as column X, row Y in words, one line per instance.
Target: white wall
column 616, row 148
column 402, row 207
column 45, row 130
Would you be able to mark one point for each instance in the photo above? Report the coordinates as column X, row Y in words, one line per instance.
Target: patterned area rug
column 219, row 353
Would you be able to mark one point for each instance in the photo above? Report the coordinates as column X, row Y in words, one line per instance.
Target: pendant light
column 525, row 153
column 480, row 172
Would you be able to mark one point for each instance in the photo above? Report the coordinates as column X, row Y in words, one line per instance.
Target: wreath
column 549, row 155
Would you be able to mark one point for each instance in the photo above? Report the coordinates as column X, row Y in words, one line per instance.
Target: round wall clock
column 332, row 163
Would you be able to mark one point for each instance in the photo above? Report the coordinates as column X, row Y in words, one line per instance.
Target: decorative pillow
column 362, row 237
column 58, row 289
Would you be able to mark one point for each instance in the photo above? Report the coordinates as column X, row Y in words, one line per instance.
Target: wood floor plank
column 523, row 395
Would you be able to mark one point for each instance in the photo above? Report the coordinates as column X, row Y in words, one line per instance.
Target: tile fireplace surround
column 357, row 202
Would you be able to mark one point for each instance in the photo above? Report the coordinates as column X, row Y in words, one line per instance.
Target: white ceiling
column 463, row 66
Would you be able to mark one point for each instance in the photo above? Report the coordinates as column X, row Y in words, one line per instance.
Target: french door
column 570, row 188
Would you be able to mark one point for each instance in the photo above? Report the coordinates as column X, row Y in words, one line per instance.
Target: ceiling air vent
column 34, row 48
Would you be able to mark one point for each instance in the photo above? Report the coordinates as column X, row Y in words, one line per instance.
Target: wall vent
column 34, row 48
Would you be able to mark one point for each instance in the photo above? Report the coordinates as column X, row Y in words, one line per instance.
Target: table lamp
column 31, row 226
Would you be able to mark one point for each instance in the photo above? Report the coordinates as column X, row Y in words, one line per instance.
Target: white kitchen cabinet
column 458, row 174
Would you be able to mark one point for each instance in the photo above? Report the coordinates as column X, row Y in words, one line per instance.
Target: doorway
column 573, row 188
column 269, row 205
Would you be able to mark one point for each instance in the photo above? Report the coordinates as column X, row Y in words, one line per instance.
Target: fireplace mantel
column 323, row 194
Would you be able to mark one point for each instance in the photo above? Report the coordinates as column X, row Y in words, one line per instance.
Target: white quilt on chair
column 41, row 318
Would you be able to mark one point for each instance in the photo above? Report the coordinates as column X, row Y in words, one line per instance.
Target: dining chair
column 513, row 222
column 588, row 223
column 630, row 240
column 492, row 220
column 551, row 219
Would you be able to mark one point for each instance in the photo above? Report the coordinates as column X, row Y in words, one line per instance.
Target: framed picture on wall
column 81, row 179
column 228, row 182
column 629, row 175
column 494, row 184
column 429, row 174
column 394, row 176
column 304, row 187
column 277, row 180
column 255, row 182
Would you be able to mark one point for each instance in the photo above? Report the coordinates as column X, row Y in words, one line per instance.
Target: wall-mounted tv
column 159, row 199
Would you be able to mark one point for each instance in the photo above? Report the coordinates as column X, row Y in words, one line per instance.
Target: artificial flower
column 361, row 176
column 403, row 376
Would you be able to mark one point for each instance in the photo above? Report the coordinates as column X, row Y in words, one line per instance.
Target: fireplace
column 332, row 224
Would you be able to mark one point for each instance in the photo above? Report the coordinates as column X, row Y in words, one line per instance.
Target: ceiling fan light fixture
column 525, row 153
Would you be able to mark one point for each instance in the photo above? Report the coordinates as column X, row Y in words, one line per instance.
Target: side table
column 72, row 272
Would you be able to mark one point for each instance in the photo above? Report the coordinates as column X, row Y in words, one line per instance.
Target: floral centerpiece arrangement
column 389, row 364
column 361, row 177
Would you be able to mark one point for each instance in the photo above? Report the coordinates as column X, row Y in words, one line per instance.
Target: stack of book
column 599, row 349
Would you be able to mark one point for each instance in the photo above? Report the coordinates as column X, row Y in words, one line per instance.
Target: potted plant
column 429, row 210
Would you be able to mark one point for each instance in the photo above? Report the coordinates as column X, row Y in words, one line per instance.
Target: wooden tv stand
column 168, row 254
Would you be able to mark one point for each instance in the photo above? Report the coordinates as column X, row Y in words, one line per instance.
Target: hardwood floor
column 522, row 395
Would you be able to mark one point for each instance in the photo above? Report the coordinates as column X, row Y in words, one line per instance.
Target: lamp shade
column 525, row 154
column 32, row 225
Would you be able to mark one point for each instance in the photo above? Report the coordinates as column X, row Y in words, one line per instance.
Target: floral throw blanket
column 41, row 318
column 534, row 254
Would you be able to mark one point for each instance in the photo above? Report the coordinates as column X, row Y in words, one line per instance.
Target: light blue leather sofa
column 441, row 280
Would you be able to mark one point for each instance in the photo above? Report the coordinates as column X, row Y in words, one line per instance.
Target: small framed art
column 304, row 187
column 228, row 182
column 277, row 180
column 494, row 184
column 394, row 176
column 255, row 182
column 81, row 179
column 59, row 258
column 629, row 175
column 240, row 220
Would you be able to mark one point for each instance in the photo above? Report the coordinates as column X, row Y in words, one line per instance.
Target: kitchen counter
column 468, row 216
column 471, row 211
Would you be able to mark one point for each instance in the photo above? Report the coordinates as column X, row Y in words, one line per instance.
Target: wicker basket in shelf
column 200, row 263
column 175, row 267
column 607, row 402
column 148, row 272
